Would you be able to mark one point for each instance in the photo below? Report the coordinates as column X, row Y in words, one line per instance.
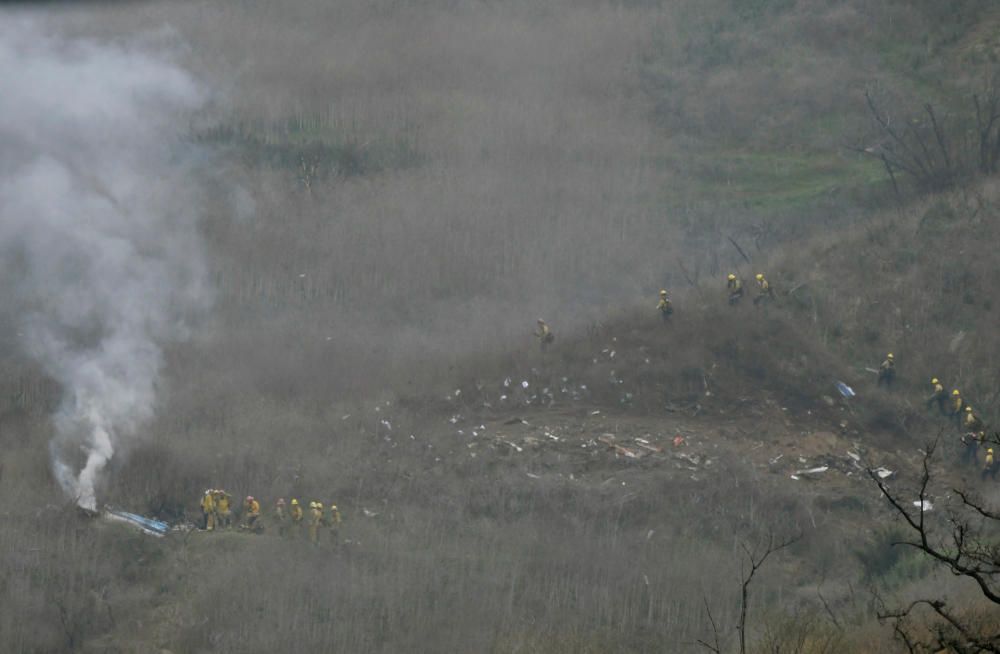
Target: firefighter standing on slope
column 957, row 407
column 735, row 287
column 970, row 446
column 251, row 514
column 315, row 521
column 989, row 466
column 544, row 334
column 664, row 306
column 208, row 510
column 938, row 396
column 887, row 371
column 295, row 513
column 281, row 517
column 223, row 511
column 333, row 522
column 764, row 292
column 971, row 422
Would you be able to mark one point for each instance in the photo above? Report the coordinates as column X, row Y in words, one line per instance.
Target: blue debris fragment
column 147, row 525
column 844, row 389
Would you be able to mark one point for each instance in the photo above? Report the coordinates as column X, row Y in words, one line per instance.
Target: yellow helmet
column 989, row 450
column 295, row 502
column 333, row 507
column 731, row 277
column 889, row 356
column 955, row 393
column 934, row 380
column 760, row 276
column 968, row 409
column 663, row 292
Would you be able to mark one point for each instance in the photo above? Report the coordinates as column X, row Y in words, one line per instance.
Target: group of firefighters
column 969, row 424
column 733, row 284
column 290, row 520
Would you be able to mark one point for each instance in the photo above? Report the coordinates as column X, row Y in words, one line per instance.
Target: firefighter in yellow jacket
column 938, row 396
column 223, row 509
column 281, row 516
column 735, row 287
column 764, row 292
column 971, row 421
column 296, row 515
column 957, row 409
column 208, row 510
column 544, row 334
column 664, row 306
column 333, row 522
column 251, row 514
column 887, row 371
column 989, row 466
column 315, row 521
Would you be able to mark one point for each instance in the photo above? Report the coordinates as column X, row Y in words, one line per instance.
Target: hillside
column 388, row 195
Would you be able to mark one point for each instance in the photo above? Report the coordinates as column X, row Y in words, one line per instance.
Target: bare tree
column 754, row 561
column 938, row 152
column 965, row 550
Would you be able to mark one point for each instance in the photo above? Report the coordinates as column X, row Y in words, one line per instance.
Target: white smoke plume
column 99, row 235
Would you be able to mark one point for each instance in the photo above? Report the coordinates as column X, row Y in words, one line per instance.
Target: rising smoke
column 99, row 232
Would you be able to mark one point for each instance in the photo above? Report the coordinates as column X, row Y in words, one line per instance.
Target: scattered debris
column 927, row 506
column 533, row 475
column 883, row 472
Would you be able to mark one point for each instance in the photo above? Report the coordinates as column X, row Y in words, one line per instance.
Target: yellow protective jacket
column 938, row 391
column 253, row 508
column 989, row 460
column 972, row 422
column 222, row 504
column 734, row 285
column 888, row 364
column 763, row 287
column 207, row 503
column 957, row 403
column 334, row 518
column 317, row 516
column 296, row 513
column 664, row 304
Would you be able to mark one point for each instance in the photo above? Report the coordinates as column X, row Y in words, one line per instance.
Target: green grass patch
column 776, row 180
column 314, row 148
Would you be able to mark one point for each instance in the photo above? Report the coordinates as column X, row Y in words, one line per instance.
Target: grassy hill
column 399, row 190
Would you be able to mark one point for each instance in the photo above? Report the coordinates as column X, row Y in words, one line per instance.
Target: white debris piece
column 883, row 472
column 927, row 506
column 524, row 384
column 813, row 471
